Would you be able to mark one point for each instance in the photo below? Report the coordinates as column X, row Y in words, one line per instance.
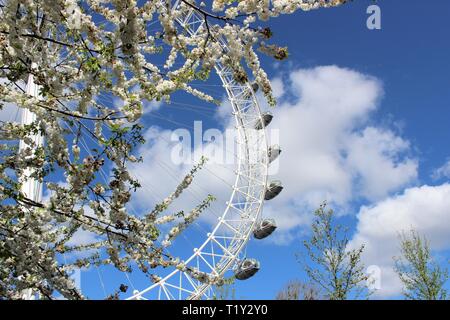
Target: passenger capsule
column 265, row 120
column 248, row 93
column 265, row 229
column 273, row 190
column 274, row 152
column 246, row 269
column 255, row 87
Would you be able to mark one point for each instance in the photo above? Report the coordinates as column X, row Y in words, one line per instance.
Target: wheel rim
column 223, row 246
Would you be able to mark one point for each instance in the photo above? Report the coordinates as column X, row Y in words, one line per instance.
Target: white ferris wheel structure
column 223, row 246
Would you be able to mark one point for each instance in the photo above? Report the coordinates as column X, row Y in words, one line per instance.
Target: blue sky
column 385, row 138
column 409, row 55
column 378, row 154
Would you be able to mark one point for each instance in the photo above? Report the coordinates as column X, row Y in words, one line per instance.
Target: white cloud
column 224, row 111
column 150, row 106
column 425, row 209
column 333, row 150
column 329, row 149
column 82, row 237
column 373, row 153
column 9, row 112
column 159, row 175
column 147, row 106
column 277, row 87
column 442, row 172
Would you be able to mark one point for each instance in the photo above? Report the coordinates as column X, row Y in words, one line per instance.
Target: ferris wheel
column 223, row 246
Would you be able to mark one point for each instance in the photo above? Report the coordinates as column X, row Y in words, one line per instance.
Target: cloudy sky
column 362, row 119
column 363, row 122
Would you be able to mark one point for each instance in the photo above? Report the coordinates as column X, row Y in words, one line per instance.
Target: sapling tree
column 226, row 290
column 298, row 290
column 80, row 53
column 329, row 262
column 422, row 277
